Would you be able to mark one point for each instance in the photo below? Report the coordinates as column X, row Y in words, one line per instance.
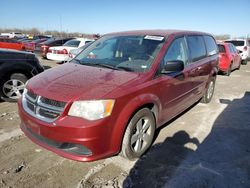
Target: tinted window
column 65, row 40
column 236, row 42
column 231, row 48
column 211, row 45
column 221, row 48
column 196, row 47
column 72, row 43
column 177, row 51
column 56, row 42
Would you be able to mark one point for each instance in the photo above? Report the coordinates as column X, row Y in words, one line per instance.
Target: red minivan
column 112, row 96
column 229, row 58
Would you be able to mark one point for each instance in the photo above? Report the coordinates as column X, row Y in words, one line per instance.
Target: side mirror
column 173, row 67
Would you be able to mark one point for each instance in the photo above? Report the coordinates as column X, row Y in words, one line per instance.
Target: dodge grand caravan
column 112, row 96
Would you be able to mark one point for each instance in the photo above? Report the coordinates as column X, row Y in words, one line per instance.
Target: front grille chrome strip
column 48, row 106
column 34, row 105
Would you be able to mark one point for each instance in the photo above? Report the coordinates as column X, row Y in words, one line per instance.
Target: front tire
column 207, row 97
column 13, row 86
column 139, row 134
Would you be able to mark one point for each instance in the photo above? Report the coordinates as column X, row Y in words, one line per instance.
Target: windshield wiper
column 125, row 68
column 104, row 65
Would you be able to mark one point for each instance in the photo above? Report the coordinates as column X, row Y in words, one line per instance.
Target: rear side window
column 230, row 48
column 236, row 42
column 57, row 42
column 234, row 49
column 196, row 47
column 221, row 48
column 72, row 43
column 211, row 45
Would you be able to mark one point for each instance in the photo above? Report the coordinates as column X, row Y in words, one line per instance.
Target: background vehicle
column 244, row 48
column 41, row 37
column 51, row 42
column 31, row 46
column 13, row 35
column 11, row 44
column 74, row 52
column 60, row 53
column 229, row 58
column 115, row 93
column 15, row 69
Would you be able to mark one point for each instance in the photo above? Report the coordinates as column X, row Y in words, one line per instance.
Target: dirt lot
column 207, row 146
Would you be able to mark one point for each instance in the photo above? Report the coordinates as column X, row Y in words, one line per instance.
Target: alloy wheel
column 141, row 136
column 13, row 88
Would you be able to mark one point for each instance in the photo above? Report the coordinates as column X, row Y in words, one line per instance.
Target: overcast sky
column 93, row 16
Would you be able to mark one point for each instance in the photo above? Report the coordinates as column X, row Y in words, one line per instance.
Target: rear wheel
column 207, row 97
column 12, row 87
column 139, row 134
column 244, row 62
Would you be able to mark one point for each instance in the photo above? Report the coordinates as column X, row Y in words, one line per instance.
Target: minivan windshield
column 129, row 53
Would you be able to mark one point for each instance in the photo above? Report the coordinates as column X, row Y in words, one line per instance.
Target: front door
column 175, row 89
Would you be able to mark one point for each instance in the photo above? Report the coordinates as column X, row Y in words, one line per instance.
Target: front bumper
column 70, row 137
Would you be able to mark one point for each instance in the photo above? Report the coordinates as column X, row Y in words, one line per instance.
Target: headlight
column 92, row 110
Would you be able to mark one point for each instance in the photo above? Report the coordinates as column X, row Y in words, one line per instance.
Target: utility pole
column 61, row 24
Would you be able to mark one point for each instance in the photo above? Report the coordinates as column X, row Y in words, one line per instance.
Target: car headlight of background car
column 91, row 110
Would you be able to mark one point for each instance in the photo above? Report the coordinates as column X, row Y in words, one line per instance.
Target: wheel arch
column 9, row 70
column 149, row 101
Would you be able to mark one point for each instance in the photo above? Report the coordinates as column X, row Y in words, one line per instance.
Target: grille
column 45, row 109
column 53, row 102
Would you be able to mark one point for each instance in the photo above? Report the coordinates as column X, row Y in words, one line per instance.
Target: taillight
column 43, row 46
column 49, row 50
column 245, row 48
column 64, row 51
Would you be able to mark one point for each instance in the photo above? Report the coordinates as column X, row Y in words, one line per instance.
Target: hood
column 11, row 55
column 73, row 81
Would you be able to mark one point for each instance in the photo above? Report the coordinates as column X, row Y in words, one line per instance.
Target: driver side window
column 177, row 51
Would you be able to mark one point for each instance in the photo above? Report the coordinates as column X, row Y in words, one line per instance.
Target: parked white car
column 13, row 35
column 244, row 48
column 61, row 53
column 74, row 52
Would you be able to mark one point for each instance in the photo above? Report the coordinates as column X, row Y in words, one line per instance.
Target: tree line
column 35, row 31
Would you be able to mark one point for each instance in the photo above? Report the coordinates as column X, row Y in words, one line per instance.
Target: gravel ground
column 207, row 146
